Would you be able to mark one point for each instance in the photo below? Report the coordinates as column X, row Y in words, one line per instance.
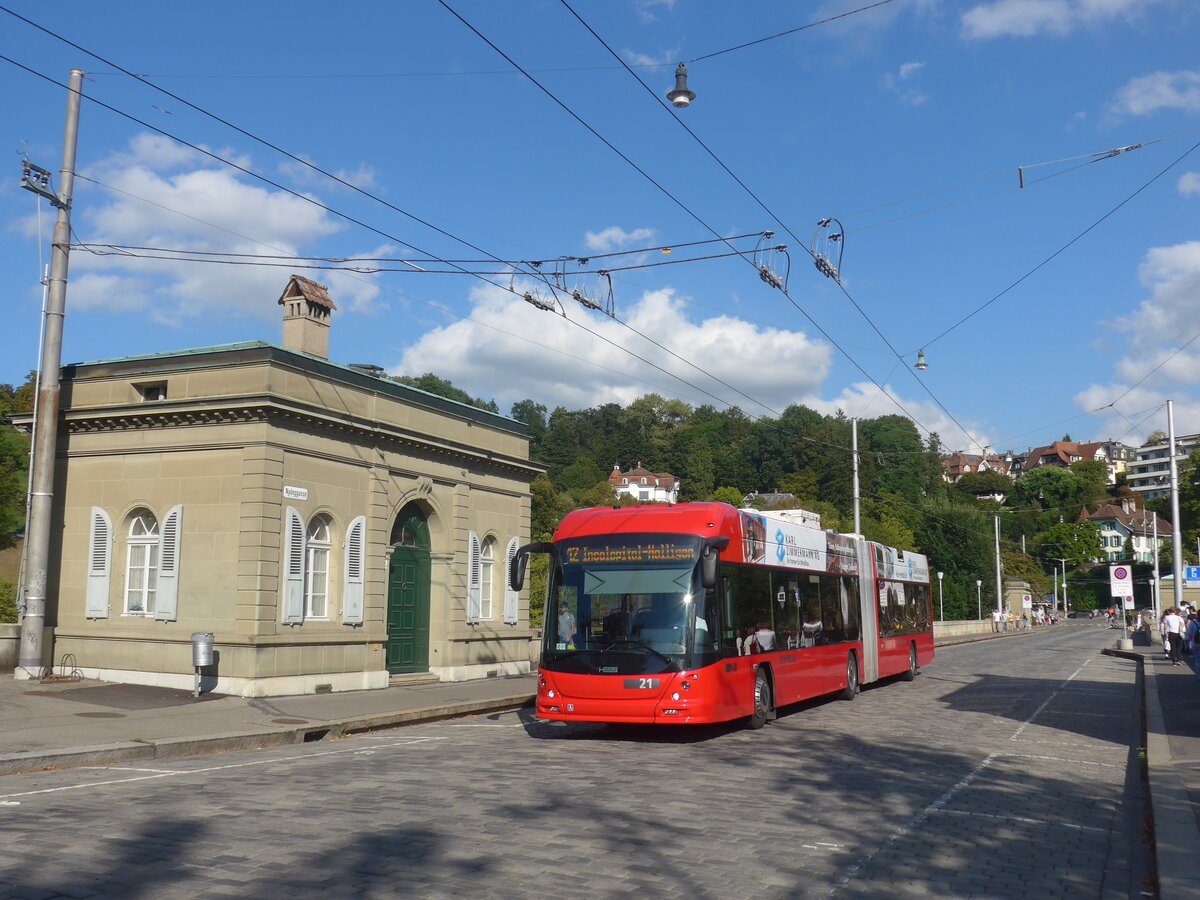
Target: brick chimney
column 307, row 309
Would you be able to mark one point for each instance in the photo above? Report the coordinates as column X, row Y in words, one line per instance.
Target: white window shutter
column 293, row 567
column 510, row 596
column 356, row 558
column 474, row 580
column 99, row 565
column 166, row 604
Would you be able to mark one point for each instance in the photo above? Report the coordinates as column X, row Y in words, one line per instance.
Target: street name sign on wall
column 1120, row 580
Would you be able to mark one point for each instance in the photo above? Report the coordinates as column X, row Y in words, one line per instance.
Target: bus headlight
column 675, row 696
column 550, row 694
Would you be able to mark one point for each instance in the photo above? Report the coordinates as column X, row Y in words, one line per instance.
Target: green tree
column 1093, row 475
column 988, row 482
column 1079, row 543
column 1047, row 487
column 729, row 495
column 533, row 415
column 434, row 384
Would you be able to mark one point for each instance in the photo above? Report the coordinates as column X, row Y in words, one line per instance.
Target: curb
column 174, row 748
column 1176, row 831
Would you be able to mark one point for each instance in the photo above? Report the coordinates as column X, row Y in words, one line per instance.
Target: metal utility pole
column 999, row 570
column 1176, row 536
column 1066, row 608
column 37, row 530
column 1157, row 611
column 854, row 451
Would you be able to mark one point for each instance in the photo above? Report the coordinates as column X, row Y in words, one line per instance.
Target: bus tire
column 851, row 687
column 911, row 673
column 761, row 701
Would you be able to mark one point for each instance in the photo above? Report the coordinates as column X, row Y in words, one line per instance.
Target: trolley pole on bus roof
column 45, row 439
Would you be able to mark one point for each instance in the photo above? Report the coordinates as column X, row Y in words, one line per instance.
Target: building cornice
column 290, row 416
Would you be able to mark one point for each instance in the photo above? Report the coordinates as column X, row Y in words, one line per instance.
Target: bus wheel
column 912, row 663
column 851, row 687
column 762, row 701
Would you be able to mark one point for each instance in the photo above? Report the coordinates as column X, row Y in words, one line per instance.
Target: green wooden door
column 408, row 611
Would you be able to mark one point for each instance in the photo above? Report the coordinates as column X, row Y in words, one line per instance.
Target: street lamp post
column 941, row 598
column 979, row 596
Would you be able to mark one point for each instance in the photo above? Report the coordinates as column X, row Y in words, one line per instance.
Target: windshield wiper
column 628, row 640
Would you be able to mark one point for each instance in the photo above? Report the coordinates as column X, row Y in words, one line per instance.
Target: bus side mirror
column 710, row 557
column 516, row 570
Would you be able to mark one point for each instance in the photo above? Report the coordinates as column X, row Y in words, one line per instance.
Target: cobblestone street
column 1000, row 772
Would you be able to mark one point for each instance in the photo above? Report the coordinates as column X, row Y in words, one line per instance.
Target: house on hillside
column 958, row 464
column 645, row 486
column 1063, row 453
column 331, row 528
column 1124, row 521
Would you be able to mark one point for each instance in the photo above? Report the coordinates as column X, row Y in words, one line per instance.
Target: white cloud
column 646, row 9
column 865, row 400
column 1163, row 355
column 1189, row 184
column 565, row 365
column 614, row 238
column 1025, row 18
column 171, row 197
column 1160, row 90
column 894, row 82
column 665, row 58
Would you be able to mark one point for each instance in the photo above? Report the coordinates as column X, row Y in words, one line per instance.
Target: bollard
column 202, row 655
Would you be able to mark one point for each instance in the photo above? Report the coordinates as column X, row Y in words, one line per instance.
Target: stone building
column 331, row 528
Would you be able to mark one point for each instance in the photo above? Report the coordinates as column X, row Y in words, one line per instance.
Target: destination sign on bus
column 656, row 551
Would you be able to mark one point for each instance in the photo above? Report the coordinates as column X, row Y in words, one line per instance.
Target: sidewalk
column 96, row 723
column 1172, row 703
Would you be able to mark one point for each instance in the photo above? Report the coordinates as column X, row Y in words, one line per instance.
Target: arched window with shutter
column 487, row 569
column 355, row 569
column 141, row 563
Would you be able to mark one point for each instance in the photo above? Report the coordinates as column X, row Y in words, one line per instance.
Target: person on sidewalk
column 1173, row 625
column 1162, row 632
column 1191, row 637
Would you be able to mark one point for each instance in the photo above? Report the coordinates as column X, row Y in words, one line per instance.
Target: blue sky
column 912, row 124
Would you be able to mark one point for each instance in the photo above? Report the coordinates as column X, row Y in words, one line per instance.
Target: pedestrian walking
column 1174, row 625
column 1191, row 637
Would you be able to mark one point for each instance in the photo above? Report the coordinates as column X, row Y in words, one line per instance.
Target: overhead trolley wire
column 780, row 34
column 756, row 198
column 1063, row 248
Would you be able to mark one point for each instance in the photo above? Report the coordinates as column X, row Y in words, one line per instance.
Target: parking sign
column 1120, row 580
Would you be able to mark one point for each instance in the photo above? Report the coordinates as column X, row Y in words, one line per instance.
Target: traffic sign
column 1120, row 580
column 1192, row 573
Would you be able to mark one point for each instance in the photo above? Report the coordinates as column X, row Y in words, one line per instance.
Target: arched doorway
column 408, row 593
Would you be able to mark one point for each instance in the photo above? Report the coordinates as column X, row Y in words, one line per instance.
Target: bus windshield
column 624, row 605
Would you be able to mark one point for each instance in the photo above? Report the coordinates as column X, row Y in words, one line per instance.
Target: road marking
column 1022, row 819
column 206, row 769
column 133, row 769
column 1057, row 759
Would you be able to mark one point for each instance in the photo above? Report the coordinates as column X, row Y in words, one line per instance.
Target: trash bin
column 202, row 650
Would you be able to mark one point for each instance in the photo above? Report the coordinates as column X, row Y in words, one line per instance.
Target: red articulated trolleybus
column 700, row 613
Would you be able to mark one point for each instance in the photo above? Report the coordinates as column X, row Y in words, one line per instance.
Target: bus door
column 869, row 614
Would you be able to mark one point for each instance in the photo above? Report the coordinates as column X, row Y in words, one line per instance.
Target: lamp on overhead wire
column 921, row 365
column 681, row 97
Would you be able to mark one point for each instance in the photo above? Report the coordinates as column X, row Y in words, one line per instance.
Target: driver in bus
column 566, row 624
